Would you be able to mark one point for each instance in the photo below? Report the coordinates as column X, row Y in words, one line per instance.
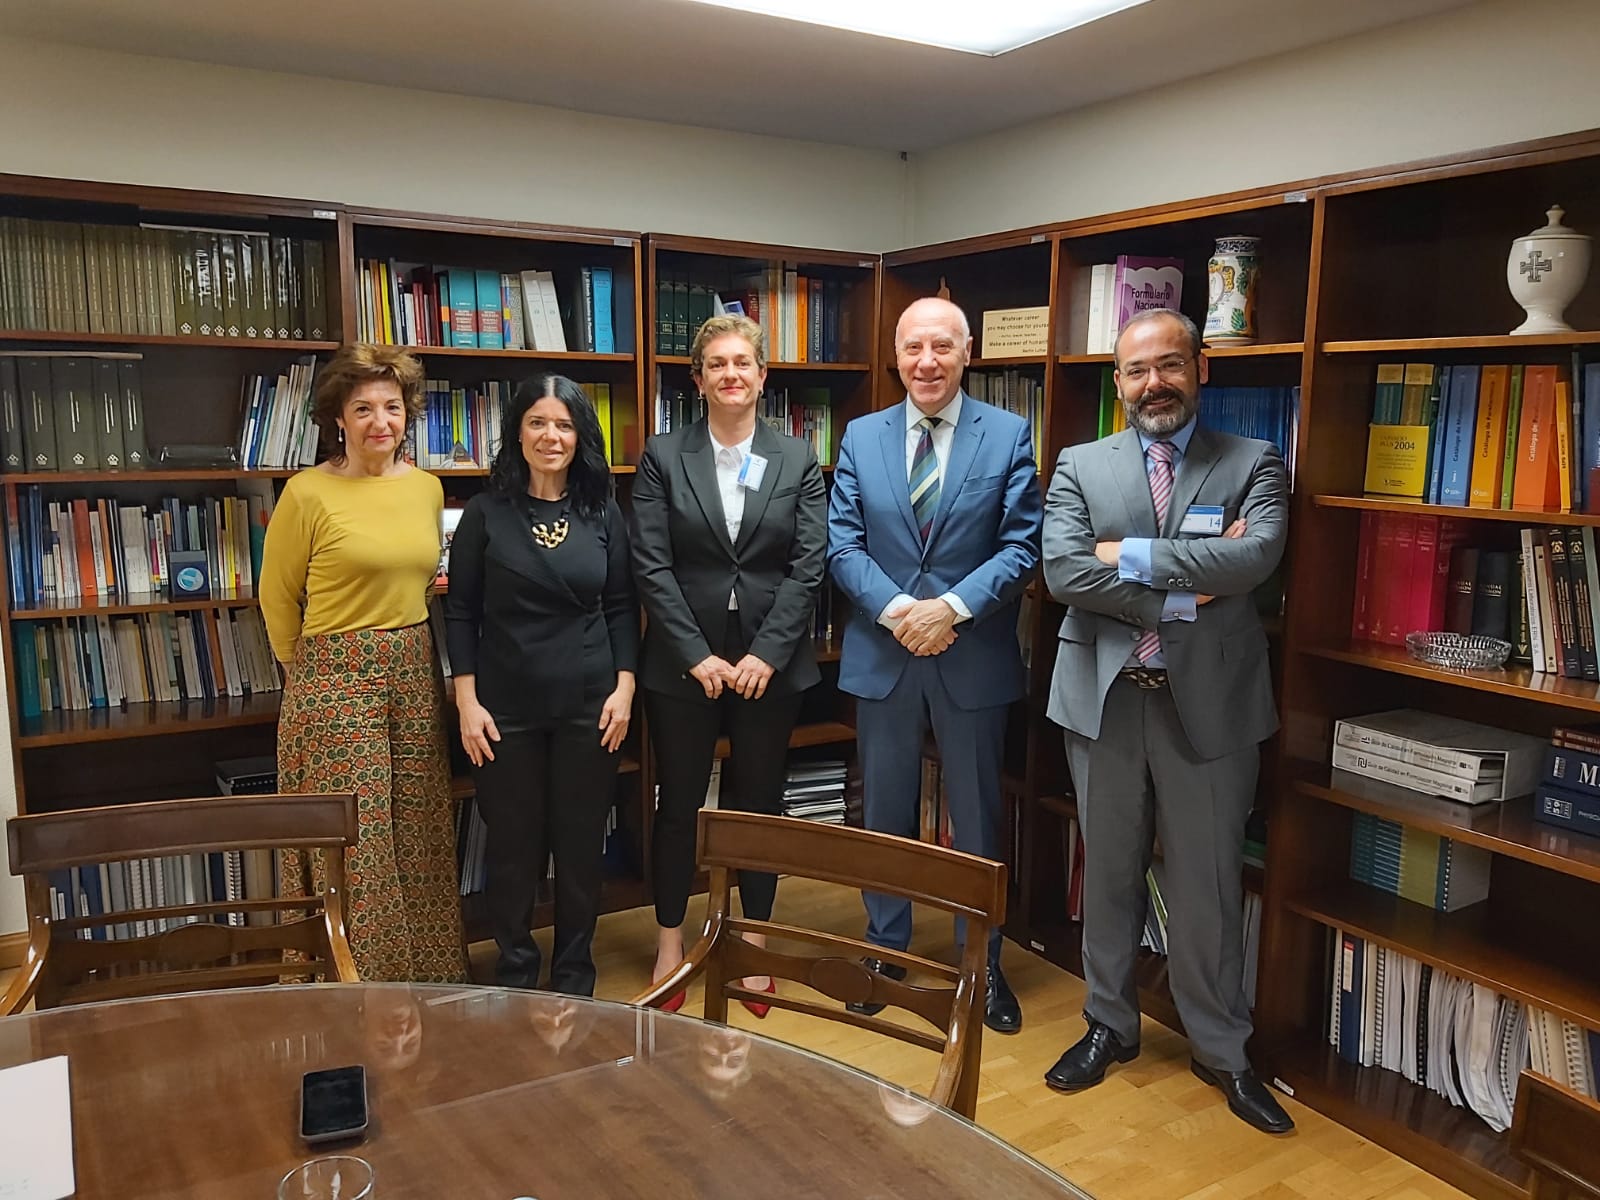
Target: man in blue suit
column 933, row 532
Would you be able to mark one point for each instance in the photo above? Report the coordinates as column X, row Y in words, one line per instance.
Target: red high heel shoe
column 675, row 1001
column 756, row 1007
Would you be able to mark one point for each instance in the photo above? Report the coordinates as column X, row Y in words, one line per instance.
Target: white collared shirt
column 729, row 459
column 943, row 434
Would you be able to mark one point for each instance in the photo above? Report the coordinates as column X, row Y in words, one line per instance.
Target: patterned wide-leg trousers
column 362, row 712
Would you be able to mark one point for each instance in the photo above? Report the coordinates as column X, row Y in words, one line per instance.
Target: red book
column 1361, row 608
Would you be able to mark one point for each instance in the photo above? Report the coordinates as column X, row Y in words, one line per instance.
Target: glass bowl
column 1460, row 651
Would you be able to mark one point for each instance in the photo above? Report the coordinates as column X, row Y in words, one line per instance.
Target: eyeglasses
column 1167, row 368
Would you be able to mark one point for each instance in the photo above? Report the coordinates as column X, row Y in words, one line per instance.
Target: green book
column 187, row 300
column 135, row 448
column 72, row 398
column 108, row 415
column 38, row 420
column 230, row 285
column 1513, row 426
column 314, row 288
column 13, row 456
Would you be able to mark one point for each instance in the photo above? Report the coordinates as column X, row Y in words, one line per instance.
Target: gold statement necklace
column 551, row 534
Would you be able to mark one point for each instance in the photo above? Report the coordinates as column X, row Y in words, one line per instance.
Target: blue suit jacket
column 984, row 546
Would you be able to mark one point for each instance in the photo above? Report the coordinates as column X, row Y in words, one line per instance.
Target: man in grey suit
column 1154, row 539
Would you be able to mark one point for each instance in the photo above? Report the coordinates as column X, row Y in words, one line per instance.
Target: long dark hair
column 589, row 477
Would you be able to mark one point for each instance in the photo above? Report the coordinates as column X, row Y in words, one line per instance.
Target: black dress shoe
column 1084, row 1065
column 1248, row 1097
column 1001, row 1012
column 889, row 971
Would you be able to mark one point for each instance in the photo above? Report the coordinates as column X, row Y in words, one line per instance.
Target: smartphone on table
column 333, row 1105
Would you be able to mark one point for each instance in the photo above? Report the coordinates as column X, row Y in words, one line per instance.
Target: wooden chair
column 1556, row 1131
column 964, row 884
column 62, row 967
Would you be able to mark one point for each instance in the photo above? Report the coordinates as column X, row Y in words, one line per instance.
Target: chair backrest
column 962, row 884
column 1556, row 1131
column 183, row 944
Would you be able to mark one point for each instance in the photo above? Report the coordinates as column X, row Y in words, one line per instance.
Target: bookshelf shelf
column 1384, row 1106
column 133, row 478
column 682, row 360
column 1506, row 828
column 1447, row 344
column 1469, row 943
column 1522, row 516
column 1260, row 350
column 818, row 733
column 76, row 726
column 115, row 606
column 1516, row 682
column 550, row 355
column 287, row 345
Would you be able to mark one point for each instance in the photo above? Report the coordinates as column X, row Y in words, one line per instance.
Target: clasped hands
column 1110, row 553
column 748, row 677
column 925, row 627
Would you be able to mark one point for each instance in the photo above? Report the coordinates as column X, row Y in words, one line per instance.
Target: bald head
column 932, row 308
column 932, row 343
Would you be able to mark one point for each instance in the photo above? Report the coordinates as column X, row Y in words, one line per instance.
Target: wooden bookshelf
column 1439, row 232
column 73, row 727
column 116, row 606
column 1505, row 828
column 682, row 360
column 1520, row 516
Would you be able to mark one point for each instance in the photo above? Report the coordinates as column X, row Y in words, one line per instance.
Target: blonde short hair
column 723, row 326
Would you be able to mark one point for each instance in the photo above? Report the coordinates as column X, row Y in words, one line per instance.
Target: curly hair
column 589, row 477
column 350, row 368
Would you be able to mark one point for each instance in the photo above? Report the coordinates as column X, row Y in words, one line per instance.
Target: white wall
column 1497, row 72
column 91, row 114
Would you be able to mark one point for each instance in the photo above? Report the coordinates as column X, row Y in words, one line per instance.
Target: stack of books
column 1437, row 755
column 814, row 791
column 1416, row 865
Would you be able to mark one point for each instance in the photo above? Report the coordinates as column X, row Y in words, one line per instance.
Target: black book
column 1491, row 600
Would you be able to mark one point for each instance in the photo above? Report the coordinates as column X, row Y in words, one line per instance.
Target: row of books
column 1105, row 295
column 167, row 280
column 1425, row 868
column 804, row 412
column 1460, row 1040
column 1017, row 391
column 814, row 791
column 67, row 550
column 1417, row 572
column 71, row 411
column 805, row 319
column 1485, row 436
column 1437, row 755
column 275, row 426
column 81, row 663
column 413, row 304
column 136, row 885
column 1156, row 927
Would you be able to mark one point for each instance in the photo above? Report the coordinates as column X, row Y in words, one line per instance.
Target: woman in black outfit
column 730, row 533
column 543, row 634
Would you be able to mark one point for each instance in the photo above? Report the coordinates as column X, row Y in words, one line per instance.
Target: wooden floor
column 1151, row 1131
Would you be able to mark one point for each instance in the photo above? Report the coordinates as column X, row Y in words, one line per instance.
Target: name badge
column 754, row 469
column 1202, row 519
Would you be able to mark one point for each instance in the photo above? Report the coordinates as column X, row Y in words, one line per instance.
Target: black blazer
column 544, row 631
column 685, row 564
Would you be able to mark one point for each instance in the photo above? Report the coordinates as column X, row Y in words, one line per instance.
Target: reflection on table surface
column 483, row 1092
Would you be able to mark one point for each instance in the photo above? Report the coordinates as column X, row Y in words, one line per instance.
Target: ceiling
column 672, row 60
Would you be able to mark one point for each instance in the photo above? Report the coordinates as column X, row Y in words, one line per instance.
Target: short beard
column 1159, row 425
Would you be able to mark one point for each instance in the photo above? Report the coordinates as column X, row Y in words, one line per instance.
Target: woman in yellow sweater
column 351, row 550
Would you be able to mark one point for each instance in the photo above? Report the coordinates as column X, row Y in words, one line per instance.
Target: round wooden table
column 489, row 1094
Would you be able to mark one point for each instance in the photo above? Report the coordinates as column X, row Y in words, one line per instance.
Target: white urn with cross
column 1545, row 273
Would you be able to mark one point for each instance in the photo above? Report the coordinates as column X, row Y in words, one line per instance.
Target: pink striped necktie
column 1160, row 472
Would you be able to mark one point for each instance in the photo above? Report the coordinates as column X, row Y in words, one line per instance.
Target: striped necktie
column 925, row 478
column 1159, row 469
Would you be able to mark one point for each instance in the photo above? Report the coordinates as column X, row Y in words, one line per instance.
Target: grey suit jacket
column 1217, row 664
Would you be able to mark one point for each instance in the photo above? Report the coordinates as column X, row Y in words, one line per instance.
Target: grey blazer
column 1217, row 664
